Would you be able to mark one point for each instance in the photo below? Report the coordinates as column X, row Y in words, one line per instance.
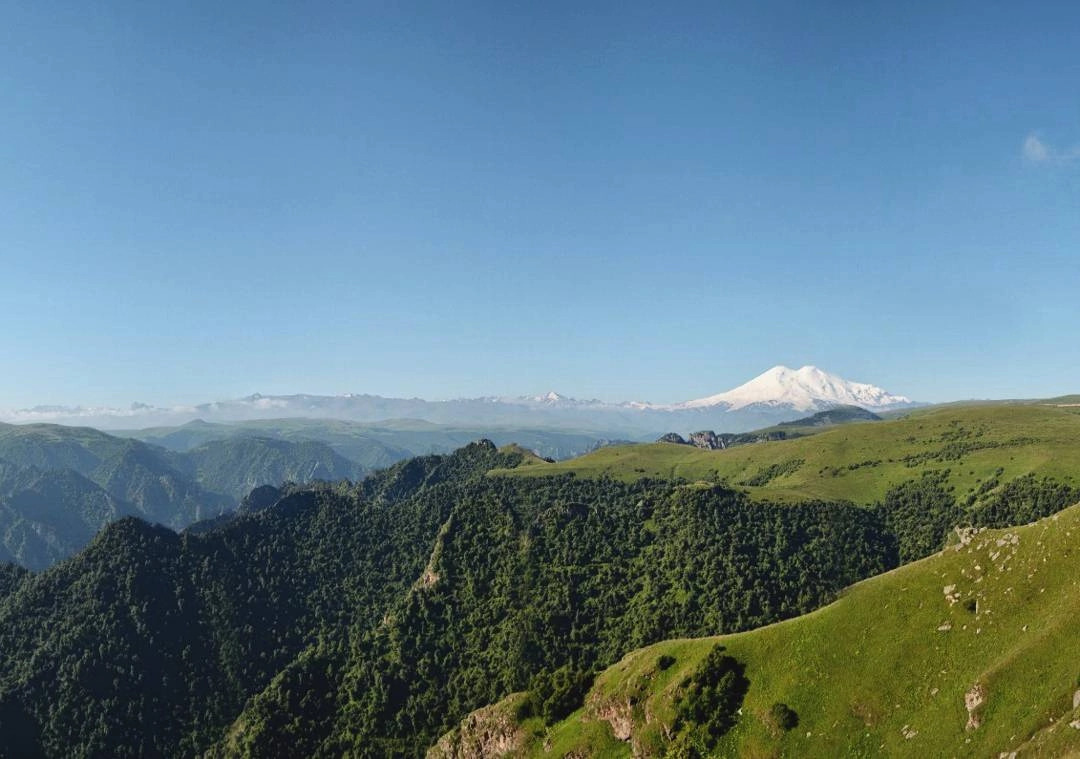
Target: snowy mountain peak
column 804, row 389
column 550, row 399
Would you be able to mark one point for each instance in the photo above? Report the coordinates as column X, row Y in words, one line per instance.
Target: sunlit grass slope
column 971, row 652
column 860, row 462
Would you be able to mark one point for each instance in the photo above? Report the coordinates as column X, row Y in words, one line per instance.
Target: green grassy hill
column 974, row 651
column 861, row 462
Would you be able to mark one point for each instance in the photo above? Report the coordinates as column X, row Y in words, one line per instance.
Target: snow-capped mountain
column 551, row 400
column 805, row 389
column 780, row 394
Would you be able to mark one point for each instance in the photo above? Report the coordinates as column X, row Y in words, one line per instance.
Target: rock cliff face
column 711, row 441
column 708, row 440
column 488, row 733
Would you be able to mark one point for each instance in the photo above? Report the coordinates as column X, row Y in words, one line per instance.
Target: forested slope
column 369, row 618
column 969, row 653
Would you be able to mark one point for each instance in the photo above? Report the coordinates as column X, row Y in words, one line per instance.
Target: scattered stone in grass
column 973, row 699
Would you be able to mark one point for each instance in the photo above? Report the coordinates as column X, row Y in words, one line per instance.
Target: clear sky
column 625, row 201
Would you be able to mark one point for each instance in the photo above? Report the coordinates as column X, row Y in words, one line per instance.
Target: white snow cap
column 805, row 389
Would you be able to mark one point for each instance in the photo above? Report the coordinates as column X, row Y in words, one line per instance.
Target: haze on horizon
column 621, row 202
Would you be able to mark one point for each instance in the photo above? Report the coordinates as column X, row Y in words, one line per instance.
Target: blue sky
column 203, row 200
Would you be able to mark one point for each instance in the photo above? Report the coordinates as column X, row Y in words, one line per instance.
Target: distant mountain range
column 59, row 485
column 779, row 394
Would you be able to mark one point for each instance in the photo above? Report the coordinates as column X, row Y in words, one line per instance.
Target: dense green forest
column 376, row 614
column 368, row 618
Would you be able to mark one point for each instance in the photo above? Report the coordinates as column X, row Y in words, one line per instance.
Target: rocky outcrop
column 488, row 733
column 618, row 714
column 711, row 441
column 973, row 701
column 708, row 440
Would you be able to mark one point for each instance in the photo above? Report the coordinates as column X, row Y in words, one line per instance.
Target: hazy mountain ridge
column 373, row 445
column 48, row 514
column 142, row 475
column 60, row 485
column 780, row 394
column 236, row 466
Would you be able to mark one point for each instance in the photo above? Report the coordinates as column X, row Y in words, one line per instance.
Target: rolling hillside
column 861, row 462
column 971, row 652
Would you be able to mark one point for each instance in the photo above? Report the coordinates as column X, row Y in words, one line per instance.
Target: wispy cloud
column 1036, row 150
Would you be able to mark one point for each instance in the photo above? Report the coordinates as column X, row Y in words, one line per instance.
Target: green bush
column 783, row 716
column 713, row 694
column 553, row 695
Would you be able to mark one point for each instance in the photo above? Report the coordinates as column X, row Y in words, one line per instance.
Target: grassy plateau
column 859, row 462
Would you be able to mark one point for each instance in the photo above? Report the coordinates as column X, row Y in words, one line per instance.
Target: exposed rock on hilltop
column 711, row 441
column 708, row 440
column 491, row 731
